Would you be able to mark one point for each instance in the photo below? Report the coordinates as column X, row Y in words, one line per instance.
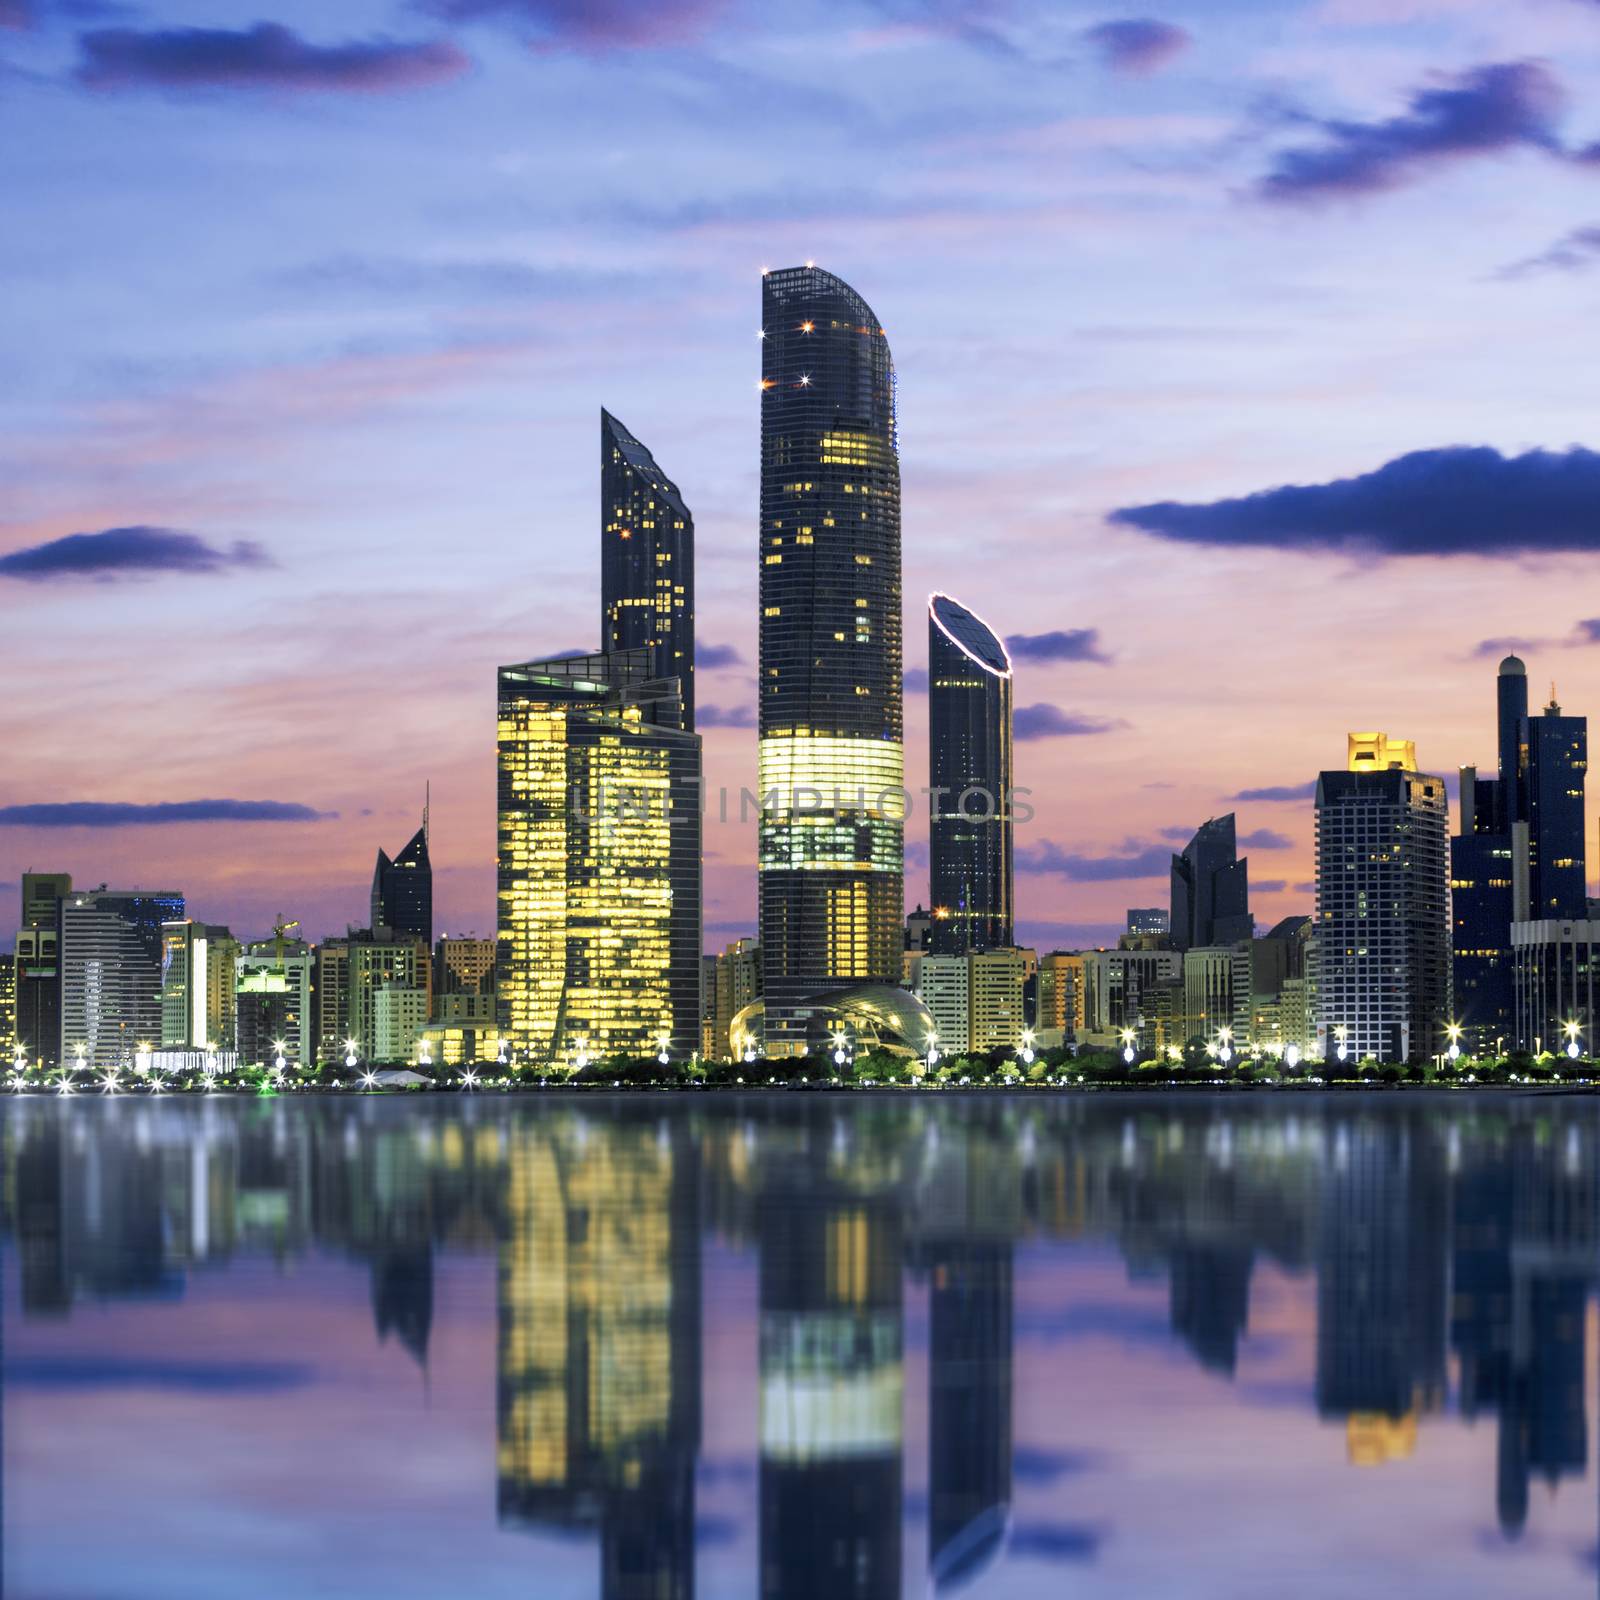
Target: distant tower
column 1211, row 889
column 832, row 762
column 646, row 560
column 402, row 889
column 969, row 759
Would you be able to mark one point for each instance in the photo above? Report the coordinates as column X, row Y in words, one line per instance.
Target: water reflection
column 900, row 1255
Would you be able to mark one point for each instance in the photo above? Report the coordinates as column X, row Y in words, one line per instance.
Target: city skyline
column 354, row 417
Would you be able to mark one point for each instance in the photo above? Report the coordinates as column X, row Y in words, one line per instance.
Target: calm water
column 652, row 1348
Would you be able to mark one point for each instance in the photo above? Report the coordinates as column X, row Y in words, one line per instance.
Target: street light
column 141, row 1058
column 350, row 1054
column 1453, row 1029
column 278, row 1063
column 1339, row 1033
column 839, row 1055
column 1291, row 1056
column 1025, row 1049
column 1572, row 1031
column 1224, row 1053
column 1127, row 1045
column 664, row 1056
column 933, row 1049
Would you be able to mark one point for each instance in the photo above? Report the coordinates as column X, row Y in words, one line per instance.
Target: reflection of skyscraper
column 1210, row 1298
column 969, row 1407
column 646, row 560
column 402, row 1294
column 831, row 1384
column 969, row 770
column 831, row 757
column 599, row 859
column 599, row 1365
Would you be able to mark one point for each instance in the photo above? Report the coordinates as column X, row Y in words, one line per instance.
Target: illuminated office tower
column 646, row 560
column 197, row 985
column 8, row 1006
column 599, row 1345
column 1382, row 953
column 38, row 970
column 110, row 963
column 272, row 1000
column 832, row 766
column 969, row 773
column 402, row 889
column 599, row 860
column 831, row 1390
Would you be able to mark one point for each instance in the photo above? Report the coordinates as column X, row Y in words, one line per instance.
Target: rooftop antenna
column 427, row 798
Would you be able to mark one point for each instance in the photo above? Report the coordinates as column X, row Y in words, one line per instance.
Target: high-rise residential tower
column 832, row 767
column 646, row 560
column 1211, row 889
column 599, row 860
column 402, row 889
column 969, row 774
column 1382, row 953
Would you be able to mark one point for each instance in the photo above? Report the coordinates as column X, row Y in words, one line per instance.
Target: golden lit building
column 1377, row 752
column 599, row 861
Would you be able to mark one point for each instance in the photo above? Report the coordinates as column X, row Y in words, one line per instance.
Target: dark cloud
column 1459, row 500
column 594, row 25
column 1279, row 791
column 1051, row 722
column 1506, row 106
column 1584, row 633
column 1138, row 44
column 267, row 56
column 1133, row 860
column 1038, row 1465
column 119, row 814
column 725, row 716
column 1572, row 252
column 1054, row 1541
column 915, row 680
column 127, row 552
column 1305, row 888
column 708, row 657
column 1505, row 646
column 135, row 1372
column 1265, row 839
column 1070, row 644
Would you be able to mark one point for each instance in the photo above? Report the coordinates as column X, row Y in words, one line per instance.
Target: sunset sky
column 310, row 311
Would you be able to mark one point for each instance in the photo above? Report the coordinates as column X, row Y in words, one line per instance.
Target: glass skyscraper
column 402, row 888
column 598, row 860
column 832, row 768
column 646, row 560
column 969, row 772
column 1211, row 889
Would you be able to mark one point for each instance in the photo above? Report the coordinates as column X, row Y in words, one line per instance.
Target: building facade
column 599, row 929
column 646, row 561
column 831, row 758
column 402, row 889
column 1210, row 889
column 109, row 951
column 1382, row 955
column 272, row 1003
column 970, row 781
column 197, row 986
column 1555, row 965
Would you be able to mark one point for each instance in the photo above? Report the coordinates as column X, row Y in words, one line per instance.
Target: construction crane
column 280, row 932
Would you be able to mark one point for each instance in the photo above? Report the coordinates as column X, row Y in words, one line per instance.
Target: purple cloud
column 1051, row 722
column 1265, row 839
column 595, row 25
column 1134, row 860
column 127, row 552
column 1069, row 644
column 708, row 657
column 915, row 679
column 1492, row 109
column 1458, row 500
column 725, row 716
column 16, row 14
column 1138, row 44
column 120, row 814
column 1279, row 791
column 1269, row 885
column 1572, row 252
column 267, row 56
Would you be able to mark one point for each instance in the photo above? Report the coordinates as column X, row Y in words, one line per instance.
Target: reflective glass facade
column 646, row 560
column 598, row 860
column 1211, row 889
column 969, row 772
column 832, row 839
column 402, row 889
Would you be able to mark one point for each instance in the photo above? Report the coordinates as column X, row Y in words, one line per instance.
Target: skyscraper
column 402, row 889
column 1519, row 855
column 969, row 774
column 38, row 969
column 1382, row 962
column 646, row 560
column 110, row 959
column 599, row 860
column 1211, row 889
column 832, row 766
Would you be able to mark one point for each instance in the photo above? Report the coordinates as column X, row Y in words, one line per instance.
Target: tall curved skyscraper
column 831, row 755
column 969, row 759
